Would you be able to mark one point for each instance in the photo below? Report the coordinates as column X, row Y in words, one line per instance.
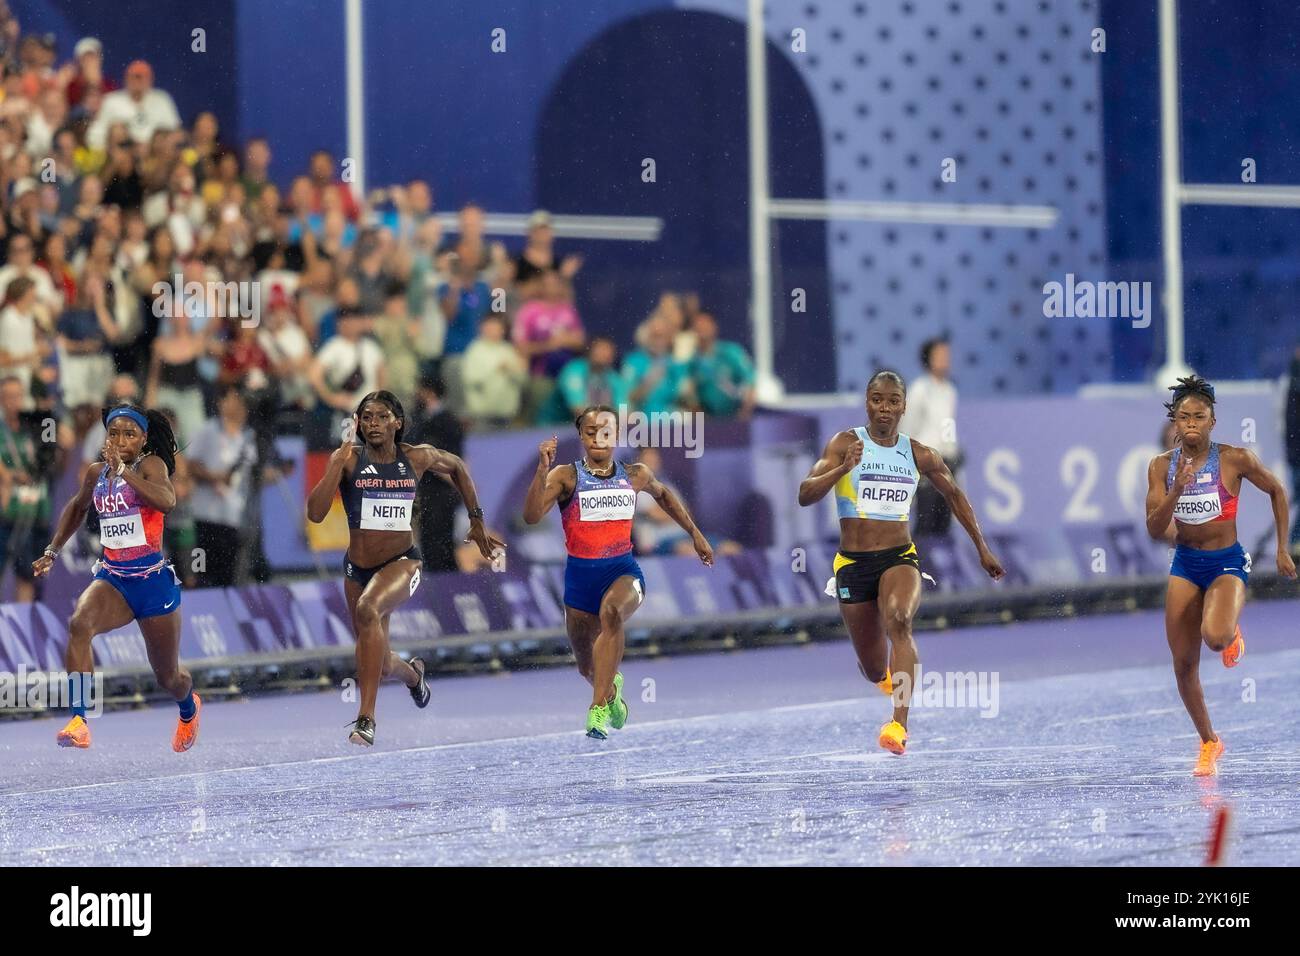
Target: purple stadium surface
column 756, row 757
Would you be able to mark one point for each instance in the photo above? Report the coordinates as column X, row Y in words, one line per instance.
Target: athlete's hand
column 344, row 454
column 488, row 546
column 42, row 566
column 990, row 563
column 852, row 456
column 1285, row 564
column 111, row 457
column 1186, row 475
column 703, row 549
column 546, row 452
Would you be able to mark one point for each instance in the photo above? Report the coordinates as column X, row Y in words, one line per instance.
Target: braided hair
column 394, row 406
column 1192, row 386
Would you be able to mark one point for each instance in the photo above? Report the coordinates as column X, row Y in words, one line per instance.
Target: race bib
column 386, row 514
column 607, row 504
column 122, row 531
column 886, row 495
column 1197, row 505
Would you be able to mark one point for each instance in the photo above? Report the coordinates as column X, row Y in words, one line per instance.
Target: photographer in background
column 931, row 419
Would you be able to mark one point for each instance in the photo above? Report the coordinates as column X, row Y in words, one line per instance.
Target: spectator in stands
column 289, row 350
column 470, row 245
column 347, row 367
column 495, row 374
column 174, row 381
column 48, row 301
column 653, row 376
column 593, row 380
column 88, row 73
column 464, row 299
column 396, row 334
column 26, row 466
column 538, row 255
column 324, row 182
column 140, row 107
column 436, row 502
column 549, row 333
column 54, row 261
column 222, row 455
column 86, row 332
column 23, row 345
column 931, row 419
column 257, row 167
column 49, row 116
column 720, row 375
column 124, row 188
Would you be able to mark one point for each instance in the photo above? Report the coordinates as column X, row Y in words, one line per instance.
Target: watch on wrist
column 476, row 513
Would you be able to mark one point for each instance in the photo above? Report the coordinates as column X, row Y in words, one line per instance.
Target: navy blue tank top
column 379, row 497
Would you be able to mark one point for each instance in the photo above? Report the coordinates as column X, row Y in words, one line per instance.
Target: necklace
column 613, row 467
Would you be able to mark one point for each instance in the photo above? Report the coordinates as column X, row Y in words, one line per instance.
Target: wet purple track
column 756, row 757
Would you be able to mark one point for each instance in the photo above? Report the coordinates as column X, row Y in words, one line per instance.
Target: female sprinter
column 603, row 584
column 131, row 490
column 1195, row 487
column 873, row 472
column 377, row 481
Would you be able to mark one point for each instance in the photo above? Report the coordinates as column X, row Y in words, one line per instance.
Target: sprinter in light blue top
column 873, row 472
column 883, row 485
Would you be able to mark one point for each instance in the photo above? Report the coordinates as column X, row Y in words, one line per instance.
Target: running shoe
column 187, row 731
column 76, row 733
column 1234, row 652
column 363, row 731
column 598, row 721
column 420, row 693
column 887, row 685
column 1207, row 764
column 617, row 706
column 893, row 737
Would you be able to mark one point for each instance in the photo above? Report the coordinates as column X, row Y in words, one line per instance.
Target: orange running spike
column 1234, row 652
column 893, row 737
column 76, row 733
column 187, row 732
column 1207, row 764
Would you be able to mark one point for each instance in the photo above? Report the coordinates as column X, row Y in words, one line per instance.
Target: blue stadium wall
column 887, row 89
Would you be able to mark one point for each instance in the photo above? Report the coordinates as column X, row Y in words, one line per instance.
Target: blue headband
column 130, row 413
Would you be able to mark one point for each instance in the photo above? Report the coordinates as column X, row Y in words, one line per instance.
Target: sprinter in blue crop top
column 377, row 481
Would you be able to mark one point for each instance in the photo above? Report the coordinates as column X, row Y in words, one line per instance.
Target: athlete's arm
column 643, row 479
column 150, row 480
column 931, row 464
column 439, row 462
column 72, row 517
column 1252, row 469
column 1160, row 503
column 842, row 454
column 549, row 484
column 340, row 464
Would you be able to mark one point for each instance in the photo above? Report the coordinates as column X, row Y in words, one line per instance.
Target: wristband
column 476, row 513
column 51, row 552
column 121, row 467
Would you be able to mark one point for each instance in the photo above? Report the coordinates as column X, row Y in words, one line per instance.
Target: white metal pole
column 356, row 97
column 760, row 229
column 1171, row 198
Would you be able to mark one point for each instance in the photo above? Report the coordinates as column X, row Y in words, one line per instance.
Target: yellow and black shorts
column 857, row 573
